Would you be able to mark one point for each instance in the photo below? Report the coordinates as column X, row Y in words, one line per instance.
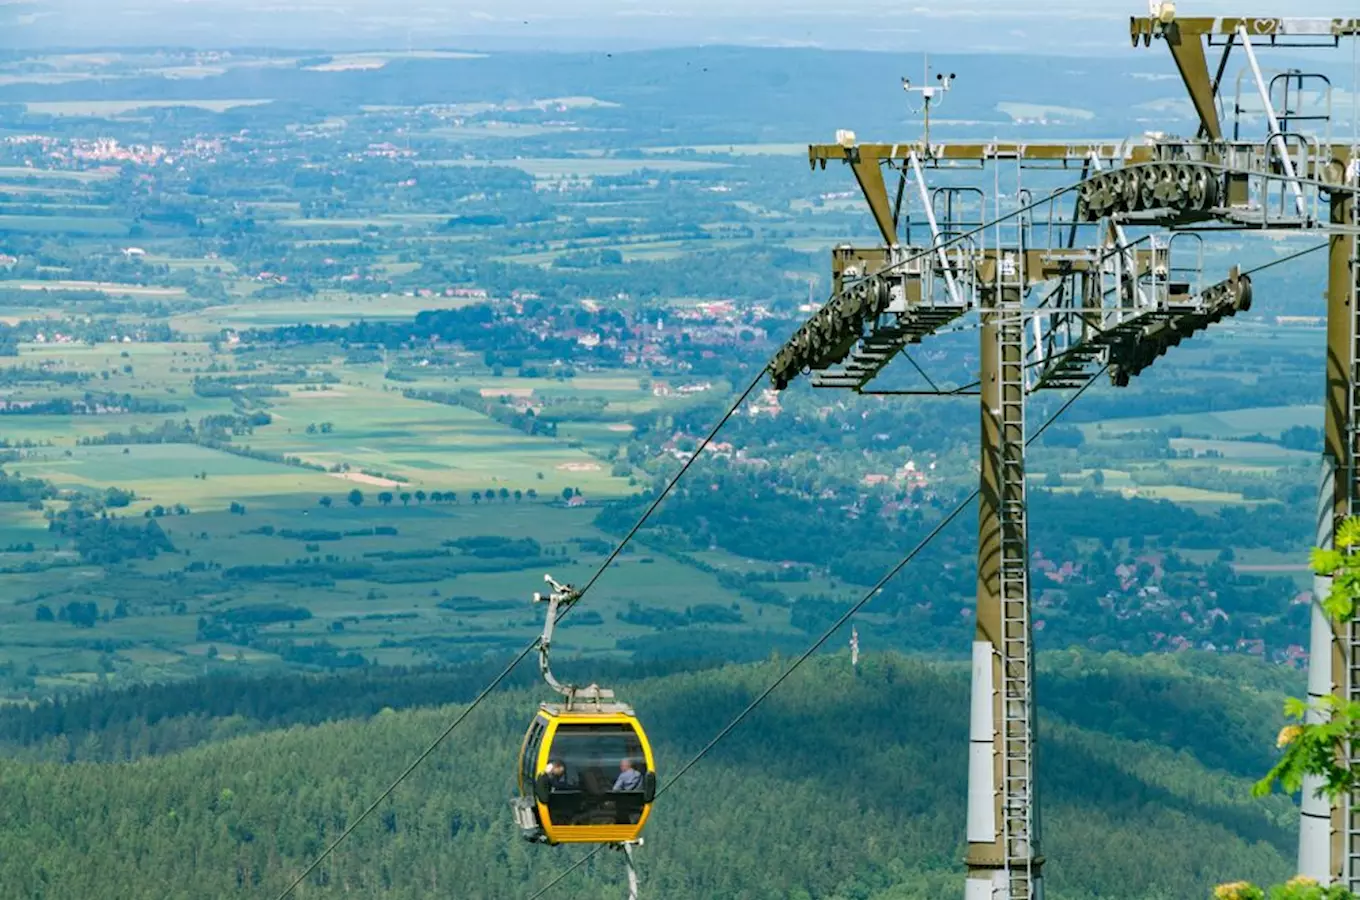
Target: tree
column 518, row 495
column 532, row 493
column 385, row 498
column 1317, row 748
column 405, row 498
column 566, row 493
column 326, row 502
column 356, row 498
column 451, row 496
column 435, row 496
column 420, row 496
column 505, row 494
column 476, row 497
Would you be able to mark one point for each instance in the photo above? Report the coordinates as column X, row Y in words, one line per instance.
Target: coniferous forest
column 842, row 785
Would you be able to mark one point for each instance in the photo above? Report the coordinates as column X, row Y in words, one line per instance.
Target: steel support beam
column 1342, row 310
column 1261, row 27
column 1003, row 860
column 1188, row 52
column 935, row 240
column 1315, row 814
column 1276, row 137
column 1339, row 462
column 869, row 174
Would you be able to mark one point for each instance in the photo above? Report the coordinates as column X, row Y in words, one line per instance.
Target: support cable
column 826, row 635
column 698, row 451
column 928, row 379
column 533, row 645
column 1284, row 259
column 872, row 593
column 529, row 648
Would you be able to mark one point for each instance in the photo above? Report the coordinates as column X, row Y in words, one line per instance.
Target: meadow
column 1220, row 425
column 584, row 167
column 414, row 600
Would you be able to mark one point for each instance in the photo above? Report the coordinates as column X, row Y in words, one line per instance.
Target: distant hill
column 701, row 95
column 841, row 786
column 1078, row 27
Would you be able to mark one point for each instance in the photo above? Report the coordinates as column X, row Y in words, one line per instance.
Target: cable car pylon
column 586, row 771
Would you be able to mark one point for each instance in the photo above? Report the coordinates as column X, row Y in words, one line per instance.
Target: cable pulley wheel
column 1109, row 193
column 1185, row 177
column 1133, row 186
column 1147, row 193
column 1212, row 189
column 1094, row 193
column 1086, row 193
column 1198, row 190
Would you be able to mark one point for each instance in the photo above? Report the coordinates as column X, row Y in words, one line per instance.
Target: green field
column 74, row 225
column 398, row 623
column 772, row 149
column 1244, row 451
column 330, row 308
column 457, row 449
column 585, row 167
column 82, row 175
column 103, row 287
column 383, row 443
column 1236, row 423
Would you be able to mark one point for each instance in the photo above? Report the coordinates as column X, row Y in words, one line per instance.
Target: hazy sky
column 1047, row 26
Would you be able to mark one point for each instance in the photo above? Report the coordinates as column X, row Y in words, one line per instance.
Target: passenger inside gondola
column 554, row 777
column 630, row 779
column 602, row 782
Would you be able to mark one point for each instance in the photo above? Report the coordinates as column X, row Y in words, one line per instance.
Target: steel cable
column 826, row 635
column 529, row 648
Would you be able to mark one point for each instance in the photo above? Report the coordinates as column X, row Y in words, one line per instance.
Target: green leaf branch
column 1316, row 748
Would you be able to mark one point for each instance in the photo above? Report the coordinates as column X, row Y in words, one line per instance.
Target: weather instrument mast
column 929, row 93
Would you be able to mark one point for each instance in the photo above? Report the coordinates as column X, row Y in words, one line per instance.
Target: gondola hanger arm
column 561, row 598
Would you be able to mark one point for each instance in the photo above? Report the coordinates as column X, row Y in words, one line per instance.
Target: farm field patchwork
column 1225, row 424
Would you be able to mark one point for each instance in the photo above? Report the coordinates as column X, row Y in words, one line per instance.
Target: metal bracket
column 1277, row 138
column 563, row 596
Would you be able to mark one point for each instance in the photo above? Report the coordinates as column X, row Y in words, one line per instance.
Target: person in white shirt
column 630, row 779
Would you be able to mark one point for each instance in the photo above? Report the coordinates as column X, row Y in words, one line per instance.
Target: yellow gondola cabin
column 586, row 773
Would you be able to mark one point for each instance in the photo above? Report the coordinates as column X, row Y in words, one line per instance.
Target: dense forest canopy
column 844, row 784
